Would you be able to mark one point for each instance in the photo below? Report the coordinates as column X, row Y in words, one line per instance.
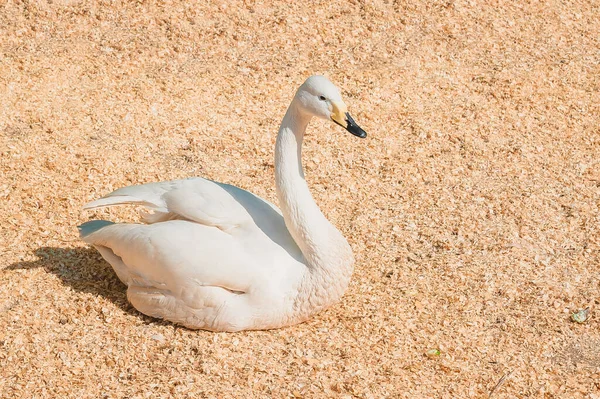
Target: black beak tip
column 354, row 128
column 362, row 134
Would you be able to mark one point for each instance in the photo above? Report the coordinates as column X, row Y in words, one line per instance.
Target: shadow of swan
column 84, row 270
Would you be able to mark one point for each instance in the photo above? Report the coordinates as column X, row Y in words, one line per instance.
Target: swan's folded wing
column 175, row 256
column 196, row 199
column 208, row 203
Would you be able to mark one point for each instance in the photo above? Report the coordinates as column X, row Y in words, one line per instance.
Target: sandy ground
column 472, row 207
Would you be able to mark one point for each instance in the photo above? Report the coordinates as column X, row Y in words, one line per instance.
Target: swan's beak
column 340, row 115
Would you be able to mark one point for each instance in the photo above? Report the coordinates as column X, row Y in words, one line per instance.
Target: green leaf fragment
column 432, row 353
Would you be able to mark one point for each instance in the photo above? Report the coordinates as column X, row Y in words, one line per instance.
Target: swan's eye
column 322, row 98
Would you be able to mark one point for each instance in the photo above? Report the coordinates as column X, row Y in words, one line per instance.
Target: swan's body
column 216, row 257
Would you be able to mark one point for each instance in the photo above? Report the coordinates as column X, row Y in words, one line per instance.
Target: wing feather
column 168, row 255
column 196, row 199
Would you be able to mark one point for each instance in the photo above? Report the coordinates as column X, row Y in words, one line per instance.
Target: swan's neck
column 328, row 256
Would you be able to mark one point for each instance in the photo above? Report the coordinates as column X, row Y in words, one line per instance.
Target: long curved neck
column 328, row 256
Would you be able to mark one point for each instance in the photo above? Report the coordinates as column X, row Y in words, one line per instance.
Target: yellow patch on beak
column 338, row 113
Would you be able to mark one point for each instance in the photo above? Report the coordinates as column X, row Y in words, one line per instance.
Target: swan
column 215, row 257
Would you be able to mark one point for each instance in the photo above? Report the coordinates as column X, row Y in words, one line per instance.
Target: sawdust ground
column 472, row 207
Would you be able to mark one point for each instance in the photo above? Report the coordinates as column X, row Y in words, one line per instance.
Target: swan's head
column 319, row 97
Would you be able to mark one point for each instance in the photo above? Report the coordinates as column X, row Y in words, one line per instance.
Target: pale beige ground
column 472, row 207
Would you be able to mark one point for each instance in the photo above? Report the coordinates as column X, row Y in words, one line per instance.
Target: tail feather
column 92, row 226
column 117, row 200
column 148, row 195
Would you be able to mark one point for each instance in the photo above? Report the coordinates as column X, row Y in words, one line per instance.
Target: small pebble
column 158, row 337
column 581, row 316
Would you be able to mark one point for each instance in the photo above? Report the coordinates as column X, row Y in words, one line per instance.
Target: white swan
column 216, row 257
